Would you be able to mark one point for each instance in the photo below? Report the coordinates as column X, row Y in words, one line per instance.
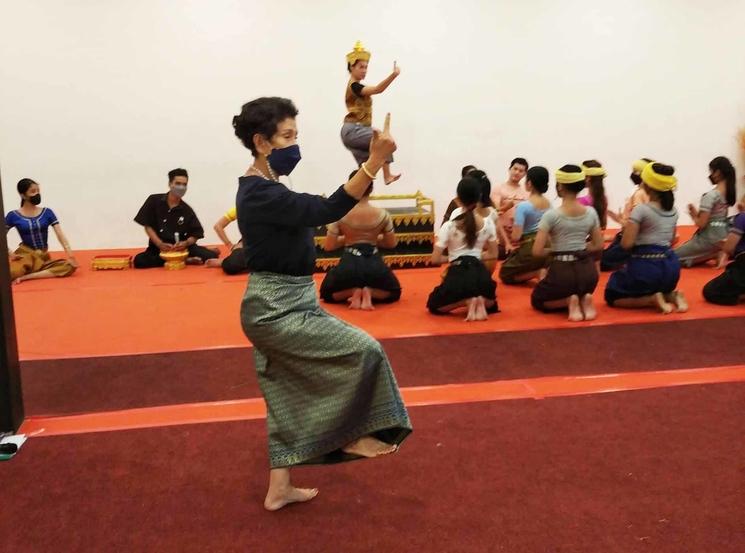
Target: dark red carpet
column 111, row 383
column 660, row 471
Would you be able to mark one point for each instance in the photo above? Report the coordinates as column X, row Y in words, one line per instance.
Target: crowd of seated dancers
column 560, row 248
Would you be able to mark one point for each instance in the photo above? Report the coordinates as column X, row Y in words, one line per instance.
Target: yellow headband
column 639, row 165
column 661, row 183
column 358, row 54
column 593, row 171
column 569, row 178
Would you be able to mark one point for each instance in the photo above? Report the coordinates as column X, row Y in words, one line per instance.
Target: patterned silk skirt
column 325, row 382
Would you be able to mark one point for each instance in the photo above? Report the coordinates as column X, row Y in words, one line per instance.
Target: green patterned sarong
column 325, row 382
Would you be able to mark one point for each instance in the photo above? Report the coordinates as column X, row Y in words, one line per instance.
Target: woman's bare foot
column 279, row 497
column 481, row 309
column 677, row 298
column 355, row 300
column 575, row 311
column 194, row 261
column 213, row 263
column 369, row 447
column 664, row 307
column 472, row 304
column 366, row 301
column 588, row 308
column 722, row 259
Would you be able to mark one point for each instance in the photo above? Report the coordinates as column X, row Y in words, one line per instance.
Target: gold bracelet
column 370, row 175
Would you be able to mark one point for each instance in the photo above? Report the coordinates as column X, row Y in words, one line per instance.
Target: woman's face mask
column 284, row 160
column 35, row 199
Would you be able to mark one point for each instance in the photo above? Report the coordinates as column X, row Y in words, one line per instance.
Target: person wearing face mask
column 329, row 389
column 171, row 225
column 614, row 256
column 711, row 216
column 356, row 132
column 31, row 260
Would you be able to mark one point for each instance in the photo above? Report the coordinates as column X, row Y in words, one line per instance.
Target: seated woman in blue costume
column 32, row 260
column 362, row 277
column 711, row 216
column 329, row 389
column 651, row 274
column 572, row 276
column 467, row 282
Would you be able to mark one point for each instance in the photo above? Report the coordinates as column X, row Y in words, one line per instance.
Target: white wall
column 99, row 99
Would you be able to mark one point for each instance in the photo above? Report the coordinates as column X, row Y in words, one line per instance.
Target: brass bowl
column 174, row 260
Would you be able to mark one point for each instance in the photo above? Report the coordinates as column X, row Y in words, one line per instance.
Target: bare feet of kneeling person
column 575, row 311
column 278, row 498
column 366, row 300
column 472, row 304
column 194, row 261
column 355, row 301
column 588, row 308
column 679, row 300
column 213, row 263
column 664, row 307
column 369, row 447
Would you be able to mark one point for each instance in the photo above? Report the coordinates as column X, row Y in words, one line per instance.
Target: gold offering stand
column 414, row 227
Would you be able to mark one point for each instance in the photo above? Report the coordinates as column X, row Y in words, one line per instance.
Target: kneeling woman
column 729, row 287
column 572, row 275
column 362, row 277
column 31, row 260
column 652, row 272
column 329, row 389
column 467, row 282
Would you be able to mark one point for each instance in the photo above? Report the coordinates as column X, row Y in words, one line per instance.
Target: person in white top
column 485, row 208
column 467, row 283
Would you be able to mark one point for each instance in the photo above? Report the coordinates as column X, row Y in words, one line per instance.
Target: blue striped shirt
column 34, row 231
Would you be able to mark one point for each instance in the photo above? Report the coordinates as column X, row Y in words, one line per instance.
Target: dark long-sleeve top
column 277, row 224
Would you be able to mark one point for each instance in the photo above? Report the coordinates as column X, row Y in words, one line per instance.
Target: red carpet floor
column 125, row 382
column 660, row 470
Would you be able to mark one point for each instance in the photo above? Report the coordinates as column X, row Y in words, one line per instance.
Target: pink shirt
column 508, row 192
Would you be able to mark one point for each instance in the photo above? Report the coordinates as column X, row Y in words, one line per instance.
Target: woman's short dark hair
column 261, row 116
column 173, row 173
column 538, row 178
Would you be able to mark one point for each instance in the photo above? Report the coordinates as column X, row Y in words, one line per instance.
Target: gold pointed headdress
column 358, row 54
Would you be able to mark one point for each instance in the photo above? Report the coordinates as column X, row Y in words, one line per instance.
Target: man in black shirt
column 171, row 225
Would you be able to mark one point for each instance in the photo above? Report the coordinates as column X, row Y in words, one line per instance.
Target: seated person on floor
column 362, row 277
column 614, row 256
column 729, row 287
column 171, row 225
column 466, row 282
column 454, row 202
column 235, row 262
column 485, row 208
column 572, row 276
column 711, row 216
column 508, row 195
column 31, row 260
column 521, row 265
column 651, row 274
